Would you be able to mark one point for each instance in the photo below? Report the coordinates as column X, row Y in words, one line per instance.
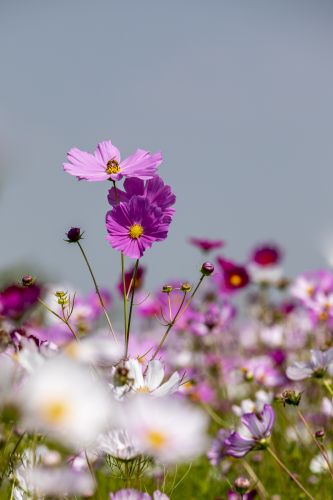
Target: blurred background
column 238, row 95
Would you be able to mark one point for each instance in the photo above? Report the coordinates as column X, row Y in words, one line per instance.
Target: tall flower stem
column 170, row 325
column 318, row 444
column 66, row 322
column 290, row 474
column 97, row 290
column 328, row 386
column 124, row 301
column 192, row 295
column 131, row 305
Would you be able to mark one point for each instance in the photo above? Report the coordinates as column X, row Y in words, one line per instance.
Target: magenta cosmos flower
column 205, row 244
column 105, row 163
column 134, row 226
column 234, row 276
column 156, row 192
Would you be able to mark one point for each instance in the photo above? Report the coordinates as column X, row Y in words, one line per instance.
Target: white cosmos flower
column 117, row 443
column 168, row 429
column 151, row 381
column 318, row 464
column 99, row 349
column 64, row 399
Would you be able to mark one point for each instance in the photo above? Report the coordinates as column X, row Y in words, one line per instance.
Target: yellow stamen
column 55, row 411
column 156, row 439
column 112, row 167
column 235, row 280
column 143, row 390
column 136, row 231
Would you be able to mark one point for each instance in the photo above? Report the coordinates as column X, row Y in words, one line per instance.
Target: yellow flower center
column 112, row 167
column 156, row 439
column 55, row 411
column 235, row 280
column 143, row 390
column 136, row 231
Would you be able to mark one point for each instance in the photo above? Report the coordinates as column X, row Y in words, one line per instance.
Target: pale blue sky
column 237, row 94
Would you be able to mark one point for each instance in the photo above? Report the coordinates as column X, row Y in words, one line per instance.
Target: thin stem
column 66, row 322
column 192, row 294
column 212, row 413
column 290, row 474
column 263, row 493
column 92, row 473
column 124, row 301
column 158, row 348
column 320, row 447
column 131, row 305
column 327, row 385
column 97, row 290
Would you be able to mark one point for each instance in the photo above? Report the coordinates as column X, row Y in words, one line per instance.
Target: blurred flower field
column 217, row 386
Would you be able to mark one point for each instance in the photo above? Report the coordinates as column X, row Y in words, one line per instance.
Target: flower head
column 256, row 429
column 154, row 190
column 105, row 163
column 134, row 226
column 234, row 276
column 317, row 367
column 206, row 245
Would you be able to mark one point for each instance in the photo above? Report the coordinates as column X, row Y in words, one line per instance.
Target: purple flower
column 218, row 448
column 317, row 366
column 266, row 255
column 134, row 226
column 256, row 429
column 105, row 163
column 156, row 192
column 234, row 276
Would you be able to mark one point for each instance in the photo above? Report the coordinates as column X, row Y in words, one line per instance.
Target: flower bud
column 74, row 235
column 242, row 485
column 320, row 434
column 27, row 280
column 167, row 289
column 186, row 287
column 289, row 397
column 207, row 268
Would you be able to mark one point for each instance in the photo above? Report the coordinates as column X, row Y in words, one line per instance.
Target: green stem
column 158, row 348
column 124, row 301
column 131, row 305
column 97, row 290
column 320, row 447
column 327, row 385
column 192, row 294
column 290, row 474
column 66, row 322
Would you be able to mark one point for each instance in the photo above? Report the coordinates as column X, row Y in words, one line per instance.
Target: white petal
column 155, row 375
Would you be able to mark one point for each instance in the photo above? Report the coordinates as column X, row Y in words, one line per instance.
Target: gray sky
column 237, row 94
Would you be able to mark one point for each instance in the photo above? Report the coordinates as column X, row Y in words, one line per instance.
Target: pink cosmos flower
column 206, row 245
column 156, row 192
column 105, row 163
column 266, row 255
column 134, row 226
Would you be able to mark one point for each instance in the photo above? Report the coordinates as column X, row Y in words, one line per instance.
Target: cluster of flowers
column 228, row 376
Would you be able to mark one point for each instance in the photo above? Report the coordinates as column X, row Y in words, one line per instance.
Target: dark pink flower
column 105, row 163
column 134, row 226
column 141, row 271
column 206, row 245
column 266, row 255
column 234, row 276
column 15, row 300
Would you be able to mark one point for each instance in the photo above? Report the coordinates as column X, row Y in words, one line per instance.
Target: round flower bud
column 167, row 289
column 320, row 434
column 242, row 485
column 74, row 235
column 27, row 280
column 207, row 268
column 186, row 287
